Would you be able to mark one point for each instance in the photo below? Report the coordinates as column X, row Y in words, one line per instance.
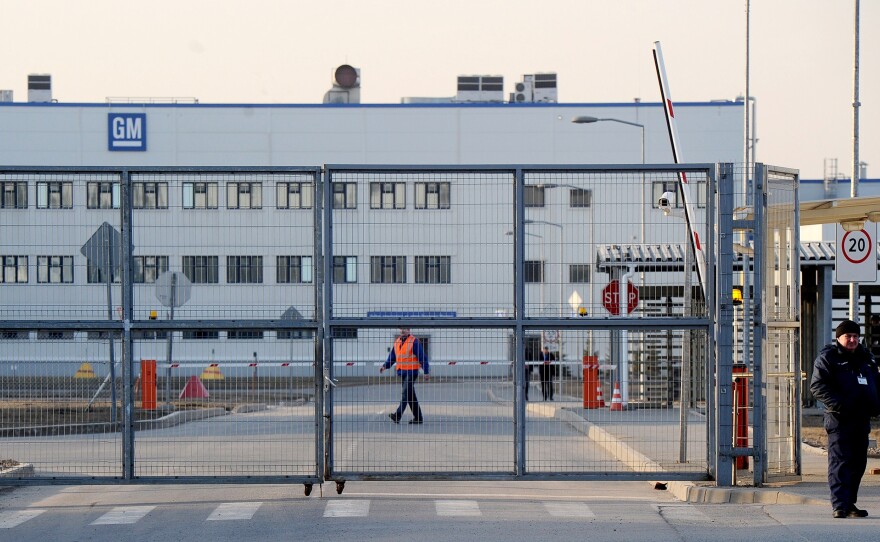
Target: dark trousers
column 847, row 458
column 546, row 372
column 408, row 395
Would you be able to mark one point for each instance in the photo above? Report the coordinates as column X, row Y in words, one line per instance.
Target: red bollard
column 591, row 382
column 741, row 413
column 148, row 384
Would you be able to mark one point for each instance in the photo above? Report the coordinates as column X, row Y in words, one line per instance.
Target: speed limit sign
column 856, row 259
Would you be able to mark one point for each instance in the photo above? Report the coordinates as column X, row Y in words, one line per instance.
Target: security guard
column 845, row 379
column 409, row 356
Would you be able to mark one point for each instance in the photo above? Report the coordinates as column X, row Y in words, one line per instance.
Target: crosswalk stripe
column 230, row 511
column 123, row 515
column 457, row 508
column 569, row 510
column 12, row 518
column 347, row 509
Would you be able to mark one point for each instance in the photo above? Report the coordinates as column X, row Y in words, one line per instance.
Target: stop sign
column 611, row 297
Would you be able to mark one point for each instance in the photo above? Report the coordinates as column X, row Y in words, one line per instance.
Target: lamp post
column 591, row 120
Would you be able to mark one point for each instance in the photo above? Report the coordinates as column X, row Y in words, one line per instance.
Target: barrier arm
column 687, row 196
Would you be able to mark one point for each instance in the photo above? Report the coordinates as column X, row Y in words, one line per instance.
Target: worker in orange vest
column 409, row 355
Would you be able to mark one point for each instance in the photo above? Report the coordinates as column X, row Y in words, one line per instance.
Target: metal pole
column 854, row 185
column 108, row 273
column 170, row 336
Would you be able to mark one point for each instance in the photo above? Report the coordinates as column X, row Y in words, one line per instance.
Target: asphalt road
column 485, row 511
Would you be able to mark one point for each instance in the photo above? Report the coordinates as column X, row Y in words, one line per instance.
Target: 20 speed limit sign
column 856, row 259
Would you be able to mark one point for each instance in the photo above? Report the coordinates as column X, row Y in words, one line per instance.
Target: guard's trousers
column 847, row 457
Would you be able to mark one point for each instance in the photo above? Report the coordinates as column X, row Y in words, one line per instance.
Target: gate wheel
column 340, row 485
column 307, row 489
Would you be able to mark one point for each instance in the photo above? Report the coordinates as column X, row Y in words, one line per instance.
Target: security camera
column 666, row 201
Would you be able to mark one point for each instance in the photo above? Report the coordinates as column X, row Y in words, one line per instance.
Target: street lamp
column 591, row 120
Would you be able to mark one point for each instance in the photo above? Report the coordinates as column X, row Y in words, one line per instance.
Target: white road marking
column 457, row 508
column 347, row 509
column 569, row 510
column 10, row 519
column 123, row 515
column 230, row 511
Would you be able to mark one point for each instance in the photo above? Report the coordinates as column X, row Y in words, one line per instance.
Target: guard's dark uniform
column 846, row 383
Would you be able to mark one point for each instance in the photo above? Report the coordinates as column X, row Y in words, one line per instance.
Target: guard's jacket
column 848, row 384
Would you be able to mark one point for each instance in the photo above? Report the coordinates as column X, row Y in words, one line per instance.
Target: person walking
column 545, row 370
column 845, row 379
column 409, row 356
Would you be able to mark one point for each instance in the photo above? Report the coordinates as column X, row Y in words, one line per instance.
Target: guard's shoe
column 838, row 514
column 393, row 418
column 857, row 513
column 416, row 422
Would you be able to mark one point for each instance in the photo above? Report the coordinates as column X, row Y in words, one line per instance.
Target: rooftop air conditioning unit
column 346, row 86
column 6, row 96
column 39, row 88
column 545, row 88
column 522, row 91
column 480, row 88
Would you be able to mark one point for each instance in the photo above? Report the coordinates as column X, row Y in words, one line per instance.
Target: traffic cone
column 600, row 398
column 616, row 400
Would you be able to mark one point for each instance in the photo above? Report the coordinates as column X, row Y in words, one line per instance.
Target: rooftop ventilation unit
column 5, row 96
column 39, row 88
column 346, row 86
column 538, row 87
column 480, row 88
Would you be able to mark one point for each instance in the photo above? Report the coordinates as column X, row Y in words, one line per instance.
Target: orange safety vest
column 403, row 355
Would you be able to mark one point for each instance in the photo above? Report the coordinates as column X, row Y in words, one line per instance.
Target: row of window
column 288, row 195
column 195, row 334
column 205, row 195
column 249, row 270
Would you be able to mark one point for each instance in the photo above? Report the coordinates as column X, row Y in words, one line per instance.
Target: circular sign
column 856, row 246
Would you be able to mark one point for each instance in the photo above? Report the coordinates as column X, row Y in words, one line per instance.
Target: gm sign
column 127, row 131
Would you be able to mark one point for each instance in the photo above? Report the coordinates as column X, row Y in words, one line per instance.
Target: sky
column 285, row 51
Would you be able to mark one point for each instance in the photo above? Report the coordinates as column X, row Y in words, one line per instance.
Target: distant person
column 845, row 379
column 545, row 370
column 409, row 356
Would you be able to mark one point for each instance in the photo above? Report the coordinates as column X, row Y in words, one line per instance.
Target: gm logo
column 127, row 131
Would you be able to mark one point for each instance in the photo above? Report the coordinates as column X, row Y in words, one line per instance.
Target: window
column 148, row 268
column 295, row 334
column 149, row 195
column 293, row 269
column 534, row 271
column 102, row 335
column 200, row 195
column 14, row 335
column 13, row 195
column 95, row 274
column 698, row 192
column 388, row 269
column 244, row 195
column 15, row 269
column 244, row 334
column 55, row 269
column 55, row 195
column 201, row 269
column 432, row 195
column 201, row 334
column 54, row 334
column 244, row 269
column 102, row 195
column 579, row 273
column 148, row 334
column 534, row 196
column 294, row 195
column 387, row 195
column 344, row 196
column 432, row 270
column 579, row 197
column 345, row 333
column 344, row 269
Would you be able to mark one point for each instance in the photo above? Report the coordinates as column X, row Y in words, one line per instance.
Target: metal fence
column 229, row 324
